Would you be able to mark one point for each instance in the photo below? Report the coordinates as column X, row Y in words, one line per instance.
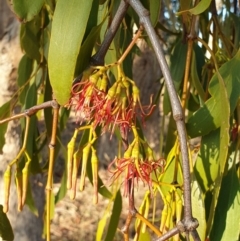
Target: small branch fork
column 188, row 224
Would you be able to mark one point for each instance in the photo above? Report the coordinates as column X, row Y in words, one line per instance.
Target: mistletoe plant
column 77, row 55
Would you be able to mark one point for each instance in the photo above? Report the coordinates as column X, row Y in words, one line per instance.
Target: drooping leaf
column 168, row 175
column 86, row 49
column 6, row 232
column 195, row 79
column 101, row 226
column 30, row 201
column 210, row 116
column 198, row 208
column 30, row 38
column 177, row 67
column 68, row 28
column 144, row 236
column 201, row 7
column 26, row 9
column 24, row 72
column 116, row 211
column 5, row 111
column 206, row 168
column 227, row 215
column 155, row 6
column 63, row 186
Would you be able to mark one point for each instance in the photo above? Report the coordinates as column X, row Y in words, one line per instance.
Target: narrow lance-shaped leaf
column 155, row 6
column 116, row 211
column 6, row 232
column 68, row 28
column 200, row 8
column 210, row 116
column 26, row 9
column 227, row 215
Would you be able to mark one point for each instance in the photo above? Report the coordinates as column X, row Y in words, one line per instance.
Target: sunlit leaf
column 227, row 215
column 207, row 164
column 210, row 116
column 198, row 208
column 144, row 236
column 26, row 9
column 101, row 226
column 68, row 28
column 113, row 222
column 201, row 7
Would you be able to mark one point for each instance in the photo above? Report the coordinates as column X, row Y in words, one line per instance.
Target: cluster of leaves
column 58, row 40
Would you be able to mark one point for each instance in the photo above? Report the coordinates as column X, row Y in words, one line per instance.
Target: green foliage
column 59, row 38
column 68, row 28
column 6, row 232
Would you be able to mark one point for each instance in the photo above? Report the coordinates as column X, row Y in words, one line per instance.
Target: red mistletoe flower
column 134, row 171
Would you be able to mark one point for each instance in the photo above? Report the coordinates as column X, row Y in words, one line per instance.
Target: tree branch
column 189, row 222
column 98, row 58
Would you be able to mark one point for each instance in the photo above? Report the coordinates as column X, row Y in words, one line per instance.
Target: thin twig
column 31, row 111
column 168, row 235
column 98, row 58
column 188, row 221
column 50, row 168
column 132, row 211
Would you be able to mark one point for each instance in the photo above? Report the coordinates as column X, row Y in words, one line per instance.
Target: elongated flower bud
column 7, row 183
column 76, row 162
column 70, row 150
column 86, row 151
column 94, row 162
column 25, row 175
column 18, row 179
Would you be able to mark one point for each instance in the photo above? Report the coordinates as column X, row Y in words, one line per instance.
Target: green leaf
column 144, row 236
column 227, row 215
column 116, row 211
column 201, row 7
column 215, row 111
column 68, row 28
column 26, row 9
column 198, row 208
column 177, row 67
column 101, row 225
column 25, row 69
column 168, row 176
column 206, row 168
column 195, row 79
column 5, row 111
column 30, row 202
column 30, row 38
column 63, row 188
column 87, row 48
column 155, row 6
column 6, row 232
